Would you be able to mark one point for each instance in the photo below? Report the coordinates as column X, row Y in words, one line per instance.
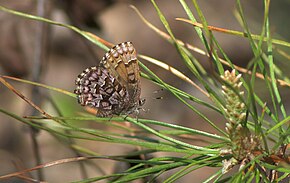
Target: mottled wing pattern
column 97, row 88
column 121, row 61
column 114, row 86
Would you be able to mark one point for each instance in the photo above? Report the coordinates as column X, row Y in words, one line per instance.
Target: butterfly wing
column 97, row 88
column 122, row 63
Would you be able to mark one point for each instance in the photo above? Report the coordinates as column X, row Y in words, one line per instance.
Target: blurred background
column 55, row 56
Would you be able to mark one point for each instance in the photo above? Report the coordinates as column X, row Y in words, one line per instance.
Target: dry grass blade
column 10, row 87
column 46, row 165
column 28, row 179
column 202, row 52
column 236, row 33
column 99, row 39
column 40, row 85
column 173, row 71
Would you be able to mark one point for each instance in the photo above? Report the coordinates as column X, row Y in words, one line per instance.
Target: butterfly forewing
column 122, row 62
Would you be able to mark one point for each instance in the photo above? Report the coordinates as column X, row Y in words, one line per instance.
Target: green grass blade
column 186, row 103
column 271, row 66
column 85, row 34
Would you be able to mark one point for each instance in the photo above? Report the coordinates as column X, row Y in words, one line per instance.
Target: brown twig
column 10, row 87
column 46, row 165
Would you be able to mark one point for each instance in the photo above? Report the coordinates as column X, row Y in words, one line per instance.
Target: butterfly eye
column 142, row 102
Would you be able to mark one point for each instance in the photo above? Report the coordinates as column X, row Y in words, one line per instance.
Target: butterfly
column 113, row 87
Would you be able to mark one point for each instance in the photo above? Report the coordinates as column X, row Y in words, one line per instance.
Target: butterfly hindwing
column 97, row 88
